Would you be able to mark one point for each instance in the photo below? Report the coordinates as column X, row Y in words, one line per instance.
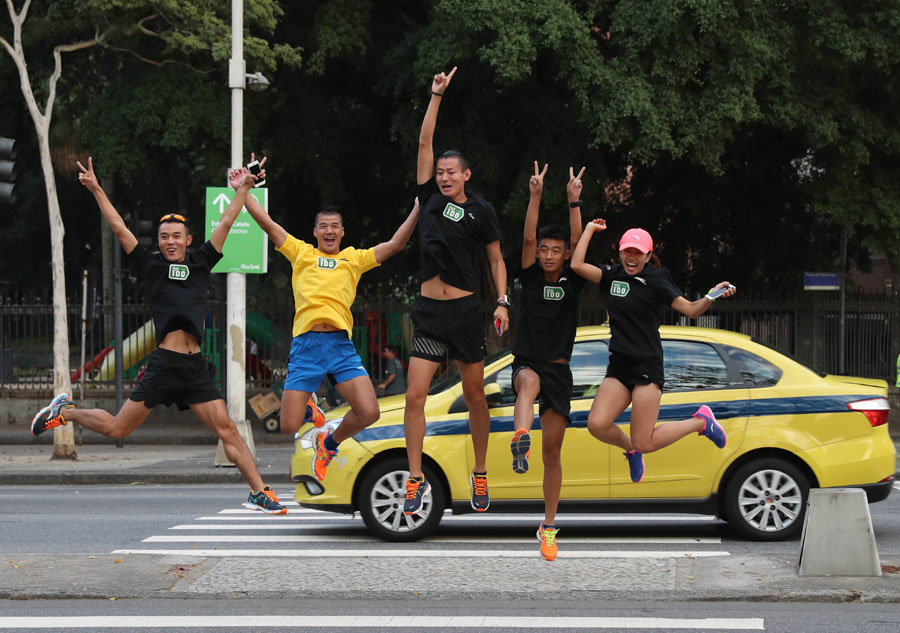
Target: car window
column 689, row 365
column 589, row 360
column 755, row 371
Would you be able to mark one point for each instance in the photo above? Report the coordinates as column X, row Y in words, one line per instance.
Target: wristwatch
column 503, row 300
column 575, row 204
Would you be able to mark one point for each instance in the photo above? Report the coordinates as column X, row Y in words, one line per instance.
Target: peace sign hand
column 573, row 189
column 536, row 182
column 87, row 177
column 441, row 81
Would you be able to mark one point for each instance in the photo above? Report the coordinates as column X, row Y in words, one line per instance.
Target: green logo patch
column 619, row 288
column 327, row 263
column 453, row 212
column 554, row 293
column 179, row 272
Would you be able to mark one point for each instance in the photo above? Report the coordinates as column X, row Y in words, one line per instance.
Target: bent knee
column 369, row 415
column 642, row 445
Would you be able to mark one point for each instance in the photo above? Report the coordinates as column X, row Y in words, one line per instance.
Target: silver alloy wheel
column 387, row 498
column 770, row 500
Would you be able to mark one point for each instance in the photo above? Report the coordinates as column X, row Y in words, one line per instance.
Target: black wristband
column 575, row 205
column 437, row 94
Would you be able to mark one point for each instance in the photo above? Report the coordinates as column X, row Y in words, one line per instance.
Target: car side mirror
column 492, row 394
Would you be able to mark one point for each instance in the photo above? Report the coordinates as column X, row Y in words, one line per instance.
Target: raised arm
column 588, row 271
column 529, row 235
column 242, row 181
column 271, row 228
column 425, row 162
column 401, row 236
column 693, row 309
column 89, row 179
column 573, row 193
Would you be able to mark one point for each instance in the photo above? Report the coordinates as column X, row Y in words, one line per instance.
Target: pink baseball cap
column 636, row 238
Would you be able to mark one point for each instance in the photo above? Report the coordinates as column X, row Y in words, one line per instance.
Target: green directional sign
column 246, row 249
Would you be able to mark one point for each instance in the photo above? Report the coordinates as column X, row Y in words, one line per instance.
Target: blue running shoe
column 51, row 415
column 520, row 446
column 265, row 501
column 713, row 430
column 635, row 465
column 416, row 489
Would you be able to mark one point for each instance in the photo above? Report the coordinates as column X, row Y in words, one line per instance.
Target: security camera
column 257, row 82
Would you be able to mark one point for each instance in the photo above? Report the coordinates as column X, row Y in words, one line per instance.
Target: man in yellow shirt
column 324, row 280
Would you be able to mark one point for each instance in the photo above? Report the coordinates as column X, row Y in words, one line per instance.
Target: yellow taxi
column 789, row 429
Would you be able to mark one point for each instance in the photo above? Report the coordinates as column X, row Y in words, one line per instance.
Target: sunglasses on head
column 173, row 216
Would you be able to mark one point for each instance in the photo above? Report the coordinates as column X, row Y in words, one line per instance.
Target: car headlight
column 307, row 439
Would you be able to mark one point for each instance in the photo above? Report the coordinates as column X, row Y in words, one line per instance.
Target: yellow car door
column 585, row 460
column 697, row 372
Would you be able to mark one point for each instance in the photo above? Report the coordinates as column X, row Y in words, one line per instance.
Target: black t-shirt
column 635, row 305
column 176, row 293
column 549, row 314
column 452, row 235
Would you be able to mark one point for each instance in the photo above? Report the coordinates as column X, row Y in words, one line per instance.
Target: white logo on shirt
column 327, row 263
column 453, row 212
column 554, row 293
column 619, row 288
column 641, row 279
column 179, row 272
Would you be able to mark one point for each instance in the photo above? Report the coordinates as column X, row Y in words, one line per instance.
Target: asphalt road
column 188, row 558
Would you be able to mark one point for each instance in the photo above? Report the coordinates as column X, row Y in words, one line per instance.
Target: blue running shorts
column 317, row 354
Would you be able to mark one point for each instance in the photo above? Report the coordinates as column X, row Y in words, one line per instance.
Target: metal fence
column 806, row 325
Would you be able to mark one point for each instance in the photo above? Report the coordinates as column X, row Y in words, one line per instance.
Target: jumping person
column 447, row 316
column 175, row 282
column 636, row 296
column 324, row 281
column 544, row 340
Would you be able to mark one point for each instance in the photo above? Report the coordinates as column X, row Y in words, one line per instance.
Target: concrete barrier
column 838, row 539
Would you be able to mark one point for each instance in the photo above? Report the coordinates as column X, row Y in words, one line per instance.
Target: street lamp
column 257, row 82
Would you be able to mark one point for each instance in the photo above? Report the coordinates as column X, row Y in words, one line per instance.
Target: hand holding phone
column 715, row 293
column 255, row 169
column 497, row 326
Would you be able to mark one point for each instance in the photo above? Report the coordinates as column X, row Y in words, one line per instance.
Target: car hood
column 881, row 385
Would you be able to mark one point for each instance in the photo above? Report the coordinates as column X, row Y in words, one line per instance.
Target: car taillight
column 876, row 409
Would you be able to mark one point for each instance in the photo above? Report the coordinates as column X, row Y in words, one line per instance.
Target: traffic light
column 144, row 233
column 7, row 170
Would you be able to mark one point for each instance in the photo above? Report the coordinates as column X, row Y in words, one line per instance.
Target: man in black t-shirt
column 453, row 228
column 175, row 283
column 545, row 336
column 637, row 293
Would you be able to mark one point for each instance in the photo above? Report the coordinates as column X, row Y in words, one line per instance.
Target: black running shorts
column 448, row 325
column 556, row 384
column 173, row 378
column 631, row 371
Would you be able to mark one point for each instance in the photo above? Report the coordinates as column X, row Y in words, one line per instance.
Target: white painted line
column 897, row 486
column 473, row 516
column 290, row 516
column 310, row 538
column 272, row 526
column 304, row 621
column 419, row 553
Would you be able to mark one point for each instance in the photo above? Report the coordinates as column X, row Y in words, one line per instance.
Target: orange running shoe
column 322, row 457
column 520, row 446
column 481, row 500
column 314, row 413
column 547, row 537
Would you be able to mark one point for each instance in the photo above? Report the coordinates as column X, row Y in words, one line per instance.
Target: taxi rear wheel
column 381, row 496
column 765, row 500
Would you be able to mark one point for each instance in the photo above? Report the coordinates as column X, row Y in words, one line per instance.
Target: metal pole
column 236, row 292
column 843, row 293
column 84, row 300
column 117, row 274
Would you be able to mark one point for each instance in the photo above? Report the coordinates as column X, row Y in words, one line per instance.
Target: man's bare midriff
column 181, row 342
column 324, row 327
column 435, row 288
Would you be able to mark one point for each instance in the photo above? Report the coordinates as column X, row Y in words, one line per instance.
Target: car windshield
column 800, row 362
column 452, row 376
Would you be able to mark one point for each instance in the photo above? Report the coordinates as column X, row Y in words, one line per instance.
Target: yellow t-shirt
column 324, row 285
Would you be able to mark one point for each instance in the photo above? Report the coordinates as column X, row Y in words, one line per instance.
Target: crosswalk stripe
column 304, row 621
column 272, row 526
column 469, row 516
column 419, row 553
column 307, row 538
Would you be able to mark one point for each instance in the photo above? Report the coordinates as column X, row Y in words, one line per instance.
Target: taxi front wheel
column 765, row 500
column 381, row 497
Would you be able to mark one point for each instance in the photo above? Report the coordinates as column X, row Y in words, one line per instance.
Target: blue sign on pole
column 821, row 281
